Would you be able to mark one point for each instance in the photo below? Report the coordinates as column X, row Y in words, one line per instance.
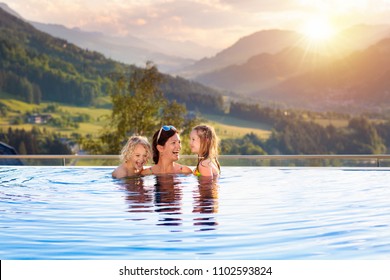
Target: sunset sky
column 217, row 23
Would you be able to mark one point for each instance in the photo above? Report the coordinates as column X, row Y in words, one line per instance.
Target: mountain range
column 129, row 50
column 272, row 41
column 168, row 55
column 358, row 82
column 37, row 67
column 353, row 76
column 277, row 67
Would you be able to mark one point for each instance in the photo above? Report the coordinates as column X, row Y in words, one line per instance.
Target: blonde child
column 204, row 142
column 134, row 155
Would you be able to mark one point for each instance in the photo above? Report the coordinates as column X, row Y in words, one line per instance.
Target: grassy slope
column 229, row 127
column 19, row 108
column 226, row 127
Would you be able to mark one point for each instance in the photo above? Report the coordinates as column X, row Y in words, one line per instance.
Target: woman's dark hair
column 163, row 136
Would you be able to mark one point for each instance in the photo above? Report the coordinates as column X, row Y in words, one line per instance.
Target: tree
column 138, row 108
column 136, row 104
column 22, row 148
column 383, row 130
column 364, row 138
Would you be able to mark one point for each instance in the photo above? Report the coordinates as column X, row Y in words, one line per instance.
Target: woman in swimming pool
column 204, row 143
column 135, row 153
column 166, row 146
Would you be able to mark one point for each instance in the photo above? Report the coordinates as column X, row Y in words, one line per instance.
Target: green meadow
column 225, row 126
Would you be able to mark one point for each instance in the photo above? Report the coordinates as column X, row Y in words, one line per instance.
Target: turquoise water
column 249, row 213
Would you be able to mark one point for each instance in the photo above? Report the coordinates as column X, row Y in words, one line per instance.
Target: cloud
column 261, row 5
column 179, row 20
column 216, row 22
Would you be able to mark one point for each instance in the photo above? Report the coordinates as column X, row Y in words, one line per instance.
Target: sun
column 318, row 30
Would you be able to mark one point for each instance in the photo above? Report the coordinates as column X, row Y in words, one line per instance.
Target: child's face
column 194, row 142
column 139, row 157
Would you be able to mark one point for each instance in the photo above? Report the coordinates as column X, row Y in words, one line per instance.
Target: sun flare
column 318, row 30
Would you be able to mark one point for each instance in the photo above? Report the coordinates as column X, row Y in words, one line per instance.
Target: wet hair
column 128, row 149
column 209, row 143
column 163, row 136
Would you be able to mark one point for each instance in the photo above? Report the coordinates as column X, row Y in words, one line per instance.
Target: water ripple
column 249, row 213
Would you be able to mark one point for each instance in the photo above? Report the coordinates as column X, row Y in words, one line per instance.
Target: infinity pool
column 249, row 213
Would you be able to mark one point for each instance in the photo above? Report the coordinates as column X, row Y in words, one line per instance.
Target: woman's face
column 139, row 157
column 171, row 148
column 194, row 142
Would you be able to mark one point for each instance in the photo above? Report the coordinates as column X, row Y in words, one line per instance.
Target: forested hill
column 35, row 67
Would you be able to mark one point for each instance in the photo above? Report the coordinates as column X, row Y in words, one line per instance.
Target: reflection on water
column 139, row 197
column 206, row 203
column 164, row 195
column 168, row 195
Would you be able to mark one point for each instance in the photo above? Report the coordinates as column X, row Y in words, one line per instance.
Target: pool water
column 249, row 213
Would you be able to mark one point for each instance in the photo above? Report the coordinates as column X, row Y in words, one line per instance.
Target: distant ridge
column 265, row 41
column 358, row 82
column 6, row 8
column 129, row 50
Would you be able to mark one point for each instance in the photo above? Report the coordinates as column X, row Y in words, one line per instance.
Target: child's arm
column 119, row 172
